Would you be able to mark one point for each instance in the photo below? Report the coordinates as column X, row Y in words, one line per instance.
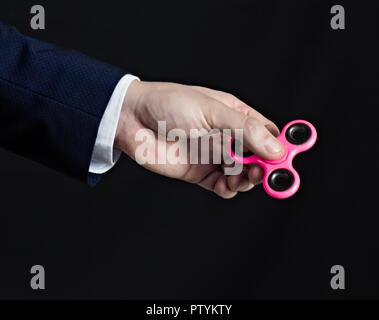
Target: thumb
column 256, row 137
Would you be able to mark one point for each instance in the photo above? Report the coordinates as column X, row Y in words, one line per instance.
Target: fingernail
column 272, row 145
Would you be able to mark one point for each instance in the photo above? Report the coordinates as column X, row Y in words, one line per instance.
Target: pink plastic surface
column 285, row 162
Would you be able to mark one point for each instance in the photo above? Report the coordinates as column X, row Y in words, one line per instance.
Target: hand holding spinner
column 280, row 179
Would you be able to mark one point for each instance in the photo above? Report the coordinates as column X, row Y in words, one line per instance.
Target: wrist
column 131, row 100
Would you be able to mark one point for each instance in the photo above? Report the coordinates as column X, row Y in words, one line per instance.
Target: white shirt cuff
column 104, row 155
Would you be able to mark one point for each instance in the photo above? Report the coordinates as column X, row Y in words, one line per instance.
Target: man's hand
column 191, row 107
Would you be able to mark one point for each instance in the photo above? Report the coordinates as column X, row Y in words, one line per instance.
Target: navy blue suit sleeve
column 51, row 102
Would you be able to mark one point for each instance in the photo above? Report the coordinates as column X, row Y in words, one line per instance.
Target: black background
column 138, row 235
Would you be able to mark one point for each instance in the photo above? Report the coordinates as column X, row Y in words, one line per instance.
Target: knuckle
column 253, row 126
column 233, row 100
column 229, row 99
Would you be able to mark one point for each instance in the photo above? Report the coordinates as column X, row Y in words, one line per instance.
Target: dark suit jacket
column 51, row 102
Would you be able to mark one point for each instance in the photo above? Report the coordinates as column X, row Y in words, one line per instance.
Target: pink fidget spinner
column 280, row 179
